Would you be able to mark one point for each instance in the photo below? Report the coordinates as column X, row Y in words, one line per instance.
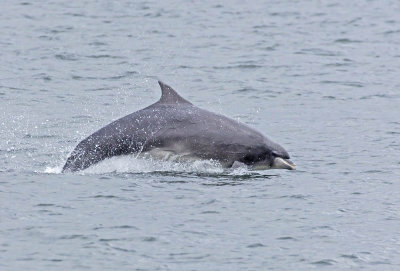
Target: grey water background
column 319, row 77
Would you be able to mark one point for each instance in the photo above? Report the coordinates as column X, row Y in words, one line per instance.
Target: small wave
column 318, row 52
column 349, row 256
column 255, row 245
column 343, row 83
column 75, row 236
column 286, row 238
column 324, row 262
column 345, row 40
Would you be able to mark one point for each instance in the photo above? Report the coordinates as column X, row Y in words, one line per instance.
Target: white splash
column 53, row 170
column 134, row 164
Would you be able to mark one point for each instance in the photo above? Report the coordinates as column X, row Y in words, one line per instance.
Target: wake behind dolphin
column 173, row 128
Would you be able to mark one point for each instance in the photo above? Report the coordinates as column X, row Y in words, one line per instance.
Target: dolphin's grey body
column 174, row 126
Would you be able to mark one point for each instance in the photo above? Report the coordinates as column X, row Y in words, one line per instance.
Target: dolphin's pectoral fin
column 279, row 162
column 170, row 96
column 238, row 164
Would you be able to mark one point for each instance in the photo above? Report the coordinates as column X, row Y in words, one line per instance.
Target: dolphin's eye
column 252, row 158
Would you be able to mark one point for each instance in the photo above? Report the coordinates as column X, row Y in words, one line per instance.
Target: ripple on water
column 120, row 248
column 324, row 262
column 127, row 227
column 240, row 67
column 256, row 245
column 345, row 40
column 110, row 78
column 284, row 238
column 105, row 56
column 74, row 236
column 109, row 239
column 349, row 256
column 297, row 196
column 149, row 239
column 67, row 57
column 106, row 197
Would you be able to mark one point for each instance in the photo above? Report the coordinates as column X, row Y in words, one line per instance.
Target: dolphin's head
column 269, row 156
column 280, row 158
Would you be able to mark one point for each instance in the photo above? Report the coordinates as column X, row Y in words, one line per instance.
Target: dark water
column 320, row 78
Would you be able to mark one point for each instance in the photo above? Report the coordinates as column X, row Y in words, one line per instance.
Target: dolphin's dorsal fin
column 170, row 96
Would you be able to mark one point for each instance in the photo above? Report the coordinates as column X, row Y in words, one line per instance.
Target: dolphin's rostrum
column 175, row 128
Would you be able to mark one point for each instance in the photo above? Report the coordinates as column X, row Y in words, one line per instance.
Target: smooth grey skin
column 175, row 126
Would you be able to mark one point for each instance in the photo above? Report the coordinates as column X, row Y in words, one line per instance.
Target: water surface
column 319, row 78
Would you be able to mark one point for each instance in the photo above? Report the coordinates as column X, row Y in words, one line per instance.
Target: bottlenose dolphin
column 175, row 128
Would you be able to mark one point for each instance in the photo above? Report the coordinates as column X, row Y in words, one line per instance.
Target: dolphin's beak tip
column 284, row 163
column 292, row 166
